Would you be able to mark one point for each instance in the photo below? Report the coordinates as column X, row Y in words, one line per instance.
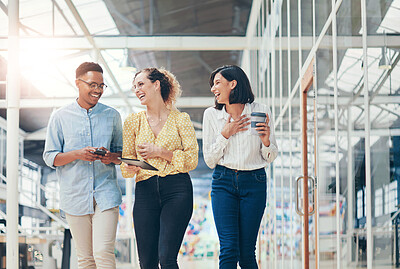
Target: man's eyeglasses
column 94, row 85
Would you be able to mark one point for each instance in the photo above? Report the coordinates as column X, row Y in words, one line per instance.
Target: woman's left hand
column 148, row 150
column 264, row 131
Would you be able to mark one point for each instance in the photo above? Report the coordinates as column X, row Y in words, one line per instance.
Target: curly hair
column 169, row 85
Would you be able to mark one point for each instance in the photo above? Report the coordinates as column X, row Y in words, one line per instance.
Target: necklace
column 153, row 123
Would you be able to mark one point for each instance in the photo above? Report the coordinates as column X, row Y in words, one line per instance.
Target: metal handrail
column 48, row 213
column 395, row 215
column 38, row 205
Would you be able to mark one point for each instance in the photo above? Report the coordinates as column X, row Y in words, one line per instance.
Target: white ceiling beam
column 155, row 43
column 188, row 43
column 192, row 102
column 361, row 133
column 41, row 134
column 343, row 42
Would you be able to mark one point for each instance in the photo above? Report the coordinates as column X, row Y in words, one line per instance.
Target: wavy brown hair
column 169, row 85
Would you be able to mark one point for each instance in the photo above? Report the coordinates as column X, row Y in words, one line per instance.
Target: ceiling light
column 384, row 62
column 126, row 63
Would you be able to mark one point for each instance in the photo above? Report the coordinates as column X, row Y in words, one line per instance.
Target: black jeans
column 161, row 213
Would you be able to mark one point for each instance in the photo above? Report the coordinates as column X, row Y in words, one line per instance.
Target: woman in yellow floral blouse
column 165, row 138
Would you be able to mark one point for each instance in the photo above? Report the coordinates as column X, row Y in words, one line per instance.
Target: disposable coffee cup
column 257, row 117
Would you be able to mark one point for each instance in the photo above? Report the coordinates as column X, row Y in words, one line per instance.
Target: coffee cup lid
column 258, row 114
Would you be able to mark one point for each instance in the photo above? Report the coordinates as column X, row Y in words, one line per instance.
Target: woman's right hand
column 236, row 126
column 131, row 168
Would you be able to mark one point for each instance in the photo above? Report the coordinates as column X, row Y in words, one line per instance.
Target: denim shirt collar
column 93, row 109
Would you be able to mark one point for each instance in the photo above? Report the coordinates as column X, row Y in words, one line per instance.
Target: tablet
column 141, row 164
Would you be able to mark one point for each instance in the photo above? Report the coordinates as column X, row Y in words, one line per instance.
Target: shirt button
column 90, row 163
column 91, row 177
column 88, row 133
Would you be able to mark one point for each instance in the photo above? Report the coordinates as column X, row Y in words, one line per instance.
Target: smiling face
column 222, row 88
column 144, row 89
column 87, row 97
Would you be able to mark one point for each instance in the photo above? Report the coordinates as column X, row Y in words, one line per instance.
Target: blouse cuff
column 269, row 153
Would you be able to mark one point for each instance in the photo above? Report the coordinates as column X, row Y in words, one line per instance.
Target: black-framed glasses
column 94, row 85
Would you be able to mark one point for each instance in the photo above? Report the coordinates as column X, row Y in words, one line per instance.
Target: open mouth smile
column 95, row 95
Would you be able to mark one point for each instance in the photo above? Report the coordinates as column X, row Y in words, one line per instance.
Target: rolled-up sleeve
column 129, row 143
column 214, row 142
column 54, row 141
column 186, row 159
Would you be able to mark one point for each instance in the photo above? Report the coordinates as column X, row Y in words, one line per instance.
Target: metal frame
column 256, row 39
column 340, row 104
column 367, row 136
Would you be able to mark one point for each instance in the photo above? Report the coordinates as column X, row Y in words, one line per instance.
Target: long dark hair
column 242, row 93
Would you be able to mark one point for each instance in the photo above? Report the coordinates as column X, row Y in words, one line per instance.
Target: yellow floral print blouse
column 177, row 135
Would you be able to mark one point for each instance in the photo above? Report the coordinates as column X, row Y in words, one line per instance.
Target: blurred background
column 340, row 57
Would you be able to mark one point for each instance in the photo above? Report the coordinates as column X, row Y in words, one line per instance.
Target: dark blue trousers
column 161, row 213
column 238, row 203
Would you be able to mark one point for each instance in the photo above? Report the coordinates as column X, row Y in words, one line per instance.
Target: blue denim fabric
column 73, row 127
column 238, row 202
column 161, row 213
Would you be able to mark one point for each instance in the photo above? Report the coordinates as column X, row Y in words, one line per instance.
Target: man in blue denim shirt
column 89, row 193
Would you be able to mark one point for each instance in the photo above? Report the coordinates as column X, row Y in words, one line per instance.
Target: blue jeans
column 238, row 202
column 161, row 213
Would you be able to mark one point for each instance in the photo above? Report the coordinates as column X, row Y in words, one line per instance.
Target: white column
column 350, row 186
column 316, row 147
column 289, row 81
column 129, row 206
column 300, row 76
column 367, row 136
column 272, row 102
column 281, row 137
column 334, row 61
column 13, row 93
column 246, row 61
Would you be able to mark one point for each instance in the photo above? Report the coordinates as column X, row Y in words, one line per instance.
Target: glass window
column 360, row 213
column 378, row 202
column 393, row 196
